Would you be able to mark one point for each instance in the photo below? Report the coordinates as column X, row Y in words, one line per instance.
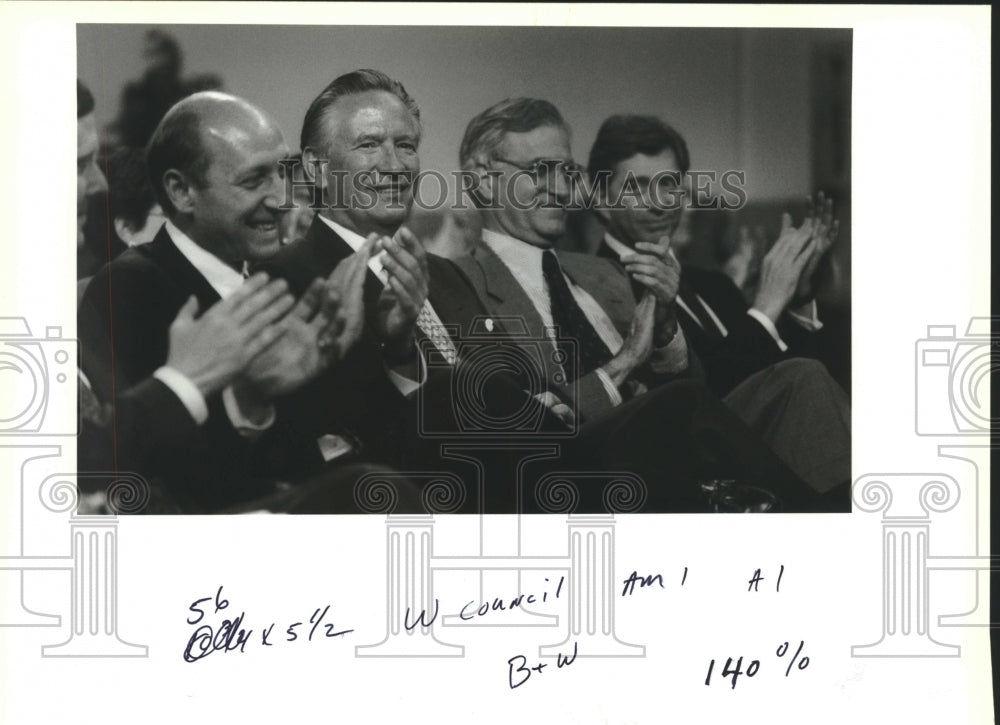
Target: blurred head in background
column 90, row 179
column 299, row 192
column 135, row 212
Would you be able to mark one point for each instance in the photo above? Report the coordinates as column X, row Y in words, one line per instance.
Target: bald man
column 214, row 165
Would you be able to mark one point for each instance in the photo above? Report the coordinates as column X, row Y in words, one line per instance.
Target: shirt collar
column 354, row 241
column 615, row 246
column 223, row 278
column 512, row 250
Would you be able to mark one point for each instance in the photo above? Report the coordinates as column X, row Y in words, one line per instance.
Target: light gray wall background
column 741, row 97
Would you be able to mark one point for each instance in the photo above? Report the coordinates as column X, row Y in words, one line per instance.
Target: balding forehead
column 230, row 120
column 217, row 110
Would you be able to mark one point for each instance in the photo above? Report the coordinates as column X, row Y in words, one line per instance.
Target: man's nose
column 389, row 159
column 274, row 192
column 559, row 183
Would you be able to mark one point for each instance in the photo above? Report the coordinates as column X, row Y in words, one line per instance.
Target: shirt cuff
column 243, row 425
column 672, row 357
column 188, row 393
column 403, row 384
column 766, row 323
column 609, row 387
column 807, row 316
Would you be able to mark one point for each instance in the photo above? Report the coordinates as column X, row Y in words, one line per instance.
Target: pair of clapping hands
column 266, row 344
column 788, row 269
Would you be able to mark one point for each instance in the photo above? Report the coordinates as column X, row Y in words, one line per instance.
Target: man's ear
column 124, row 230
column 179, row 190
column 313, row 169
column 487, row 191
column 600, row 208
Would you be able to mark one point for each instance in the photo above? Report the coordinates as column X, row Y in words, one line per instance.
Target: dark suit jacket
column 356, row 396
column 502, row 295
column 747, row 348
column 124, row 321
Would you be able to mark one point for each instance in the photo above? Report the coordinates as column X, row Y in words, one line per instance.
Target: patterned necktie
column 590, row 350
column 430, row 324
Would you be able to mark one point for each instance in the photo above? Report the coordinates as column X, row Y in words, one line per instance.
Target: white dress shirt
column 355, row 241
column 224, row 280
column 805, row 315
column 525, row 262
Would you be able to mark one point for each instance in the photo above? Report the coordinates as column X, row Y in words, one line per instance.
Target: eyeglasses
column 541, row 168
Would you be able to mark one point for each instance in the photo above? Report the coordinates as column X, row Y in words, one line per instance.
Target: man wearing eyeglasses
column 621, row 363
column 520, row 150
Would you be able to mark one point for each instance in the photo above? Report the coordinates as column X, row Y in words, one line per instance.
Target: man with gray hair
column 360, row 140
column 638, row 390
column 520, row 149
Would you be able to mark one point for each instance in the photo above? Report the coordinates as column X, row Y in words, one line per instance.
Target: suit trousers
column 803, row 415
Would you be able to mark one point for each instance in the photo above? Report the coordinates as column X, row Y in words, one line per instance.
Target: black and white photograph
column 405, row 349
column 602, row 250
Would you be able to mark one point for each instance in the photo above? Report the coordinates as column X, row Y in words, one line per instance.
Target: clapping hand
column 782, row 267
column 656, row 268
column 213, row 349
column 307, row 343
column 407, row 283
column 825, row 234
column 638, row 345
column 347, row 283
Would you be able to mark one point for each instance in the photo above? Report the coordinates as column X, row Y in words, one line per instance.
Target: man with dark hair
column 135, row 213
column 636, row 386
column 794, row 402
column 222, row 213
column 732, row 339
column 90, row 181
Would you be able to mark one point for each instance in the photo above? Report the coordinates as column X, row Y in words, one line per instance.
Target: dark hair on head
column 485, row 132
column 130, row 193
column 176, row 144
column 623, row 136
column 359, row 81
column 84, row 100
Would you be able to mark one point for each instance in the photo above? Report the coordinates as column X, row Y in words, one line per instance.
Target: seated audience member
column 746, row 358
column 214, row 164
column 366, row 129
column 90, row 184
column 629, row 356
column 135, row 213
column 731, row 338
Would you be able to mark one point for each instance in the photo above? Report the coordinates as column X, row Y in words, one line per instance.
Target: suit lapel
column 324, row 249
column 611, row 292
column 188, row 279
column 499, row 291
